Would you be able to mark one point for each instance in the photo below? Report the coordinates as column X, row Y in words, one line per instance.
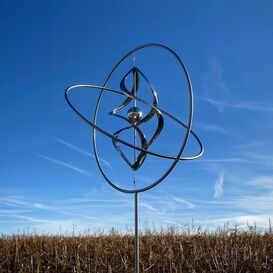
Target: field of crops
column 166, row 251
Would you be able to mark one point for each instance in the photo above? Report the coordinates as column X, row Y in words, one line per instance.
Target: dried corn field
column 166, row 251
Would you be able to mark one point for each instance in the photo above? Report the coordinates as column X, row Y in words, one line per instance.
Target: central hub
column 134, row 114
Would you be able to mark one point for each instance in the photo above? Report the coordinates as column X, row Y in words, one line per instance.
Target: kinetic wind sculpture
column 134, row 120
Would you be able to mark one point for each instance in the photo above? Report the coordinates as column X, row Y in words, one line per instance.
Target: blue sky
column 49, row 180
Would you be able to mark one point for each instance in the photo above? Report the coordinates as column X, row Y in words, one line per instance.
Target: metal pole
column 136, row 194
column 136, row 235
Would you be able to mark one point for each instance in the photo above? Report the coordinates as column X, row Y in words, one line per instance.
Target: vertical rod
column 135, row 83
column 136, row 194
column 136, row 235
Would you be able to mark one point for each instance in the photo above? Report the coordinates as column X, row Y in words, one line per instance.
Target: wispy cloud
column 38, row 206
column 30, row 207
column 73, row 147
column 77, row 149
column 218, row 186
column 263, row 159
column 230, row 160
column 150, row 207
column 214, row 79
column 64, row 164
column 257, row 204
column 265, row 182
column 12, row 201
column 212, row 127
column 250, row 106
column 258, row 200
column 31, row 219
column 182, row 201
column 11, row 211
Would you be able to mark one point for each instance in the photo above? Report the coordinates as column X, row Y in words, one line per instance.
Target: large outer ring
column 189, row 124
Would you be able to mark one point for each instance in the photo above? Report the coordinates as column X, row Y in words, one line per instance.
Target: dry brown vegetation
column 165, row 251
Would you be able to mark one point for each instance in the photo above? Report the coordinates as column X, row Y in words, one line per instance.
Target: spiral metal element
column 135, row 120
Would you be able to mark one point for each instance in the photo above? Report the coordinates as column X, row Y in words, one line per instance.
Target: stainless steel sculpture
column 135, row 119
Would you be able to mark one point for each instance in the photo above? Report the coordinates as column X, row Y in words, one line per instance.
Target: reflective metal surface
column 130, row 95
column 134, row 114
